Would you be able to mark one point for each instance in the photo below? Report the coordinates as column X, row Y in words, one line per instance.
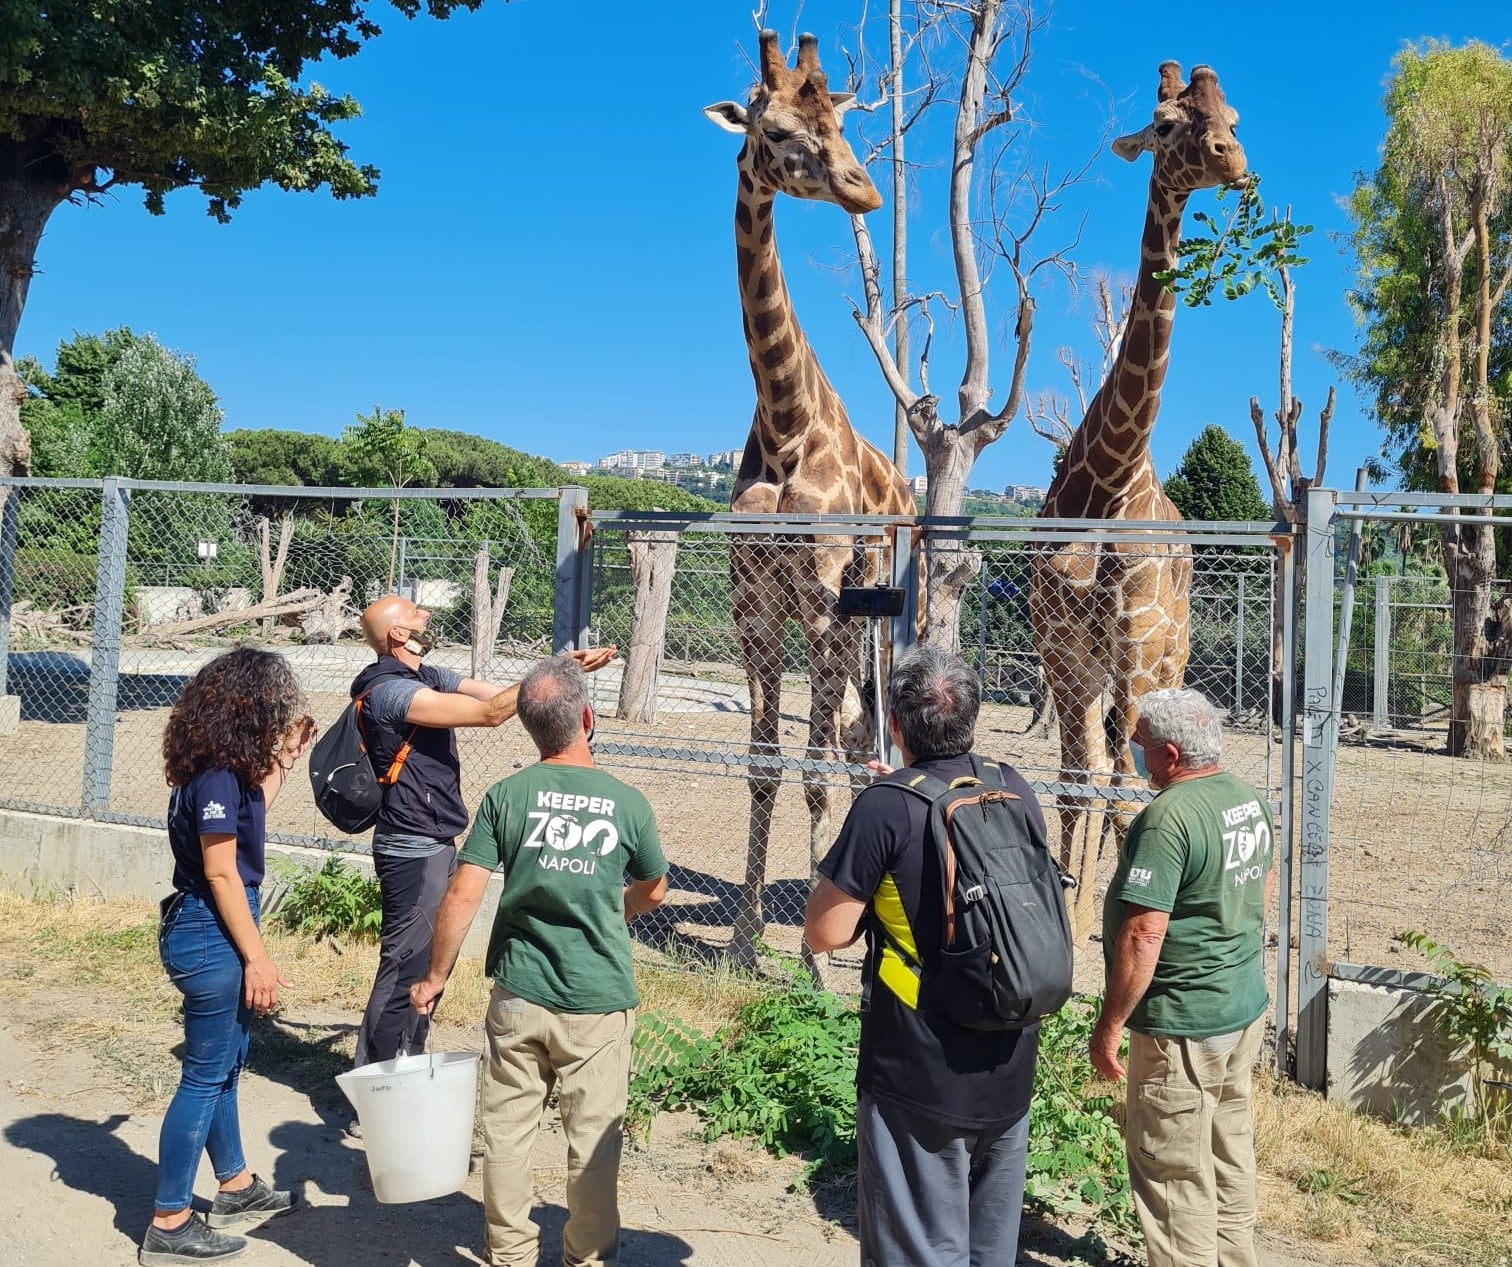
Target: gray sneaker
column 257, row 1200
column 191, row 1242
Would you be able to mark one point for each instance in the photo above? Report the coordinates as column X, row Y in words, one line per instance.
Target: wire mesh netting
column 200, row 571
column 1418, row 840
column 679, row 717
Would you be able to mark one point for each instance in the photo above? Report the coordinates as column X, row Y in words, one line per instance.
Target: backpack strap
column 390, row 776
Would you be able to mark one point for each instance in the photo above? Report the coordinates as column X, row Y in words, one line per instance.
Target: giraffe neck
column 791, row 391
column 1112, row 445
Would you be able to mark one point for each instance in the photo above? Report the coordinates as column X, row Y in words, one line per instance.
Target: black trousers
column 412, row 892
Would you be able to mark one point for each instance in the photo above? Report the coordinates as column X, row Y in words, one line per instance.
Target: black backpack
column 1005, row 957
column 348, row 791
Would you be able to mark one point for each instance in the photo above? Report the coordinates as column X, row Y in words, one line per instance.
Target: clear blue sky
column 549, row 260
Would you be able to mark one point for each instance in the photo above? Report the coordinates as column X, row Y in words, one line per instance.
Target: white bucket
column 417, row 1122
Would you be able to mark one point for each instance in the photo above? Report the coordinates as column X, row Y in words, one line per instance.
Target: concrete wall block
column 45, row 856
column 1386, row 1055
column 10, row 714
column 159, row 604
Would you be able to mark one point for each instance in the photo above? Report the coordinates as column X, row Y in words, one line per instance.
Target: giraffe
column 1111, row 618
column 802, row 455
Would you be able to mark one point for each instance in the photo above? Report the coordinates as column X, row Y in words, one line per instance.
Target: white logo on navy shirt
column 212, row 810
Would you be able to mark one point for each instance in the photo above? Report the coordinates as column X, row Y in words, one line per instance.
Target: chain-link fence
column 119, row 591
column 693, row 600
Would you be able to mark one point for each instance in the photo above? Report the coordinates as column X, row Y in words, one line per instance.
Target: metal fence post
column 1320, row 717
column 570, row 603
column 1239, row 648
column 105, row 647
column 1381, row 704
column 1287, row 562
column 10, row 514
column 908, row 545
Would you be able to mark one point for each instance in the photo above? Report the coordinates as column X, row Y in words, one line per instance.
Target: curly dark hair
column 232, row 715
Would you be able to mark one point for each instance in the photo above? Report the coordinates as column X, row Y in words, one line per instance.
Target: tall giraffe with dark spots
column 1111, row 618
column 802, row 456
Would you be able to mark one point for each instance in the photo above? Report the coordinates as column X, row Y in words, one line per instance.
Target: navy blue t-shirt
column 219, row 803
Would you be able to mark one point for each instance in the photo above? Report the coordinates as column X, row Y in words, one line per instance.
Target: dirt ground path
column 77, row 1172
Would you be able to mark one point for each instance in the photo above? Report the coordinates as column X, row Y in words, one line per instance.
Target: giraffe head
column 793, row 132
column 1192, row 136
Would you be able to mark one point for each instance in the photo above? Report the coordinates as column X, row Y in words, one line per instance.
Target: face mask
column 1140, row 767
column 421, row 641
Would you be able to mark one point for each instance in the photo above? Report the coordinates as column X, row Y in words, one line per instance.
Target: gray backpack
column 1005, row 958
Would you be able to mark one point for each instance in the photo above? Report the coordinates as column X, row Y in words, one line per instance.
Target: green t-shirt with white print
column 566, row 836
column 1200, row 850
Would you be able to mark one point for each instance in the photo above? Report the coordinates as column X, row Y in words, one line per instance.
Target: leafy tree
column 380, row 449
column 468, row 461
column 1433, row 245
column 163, row 96
column 122, row 404
column 269, row 456
column 1215, row 481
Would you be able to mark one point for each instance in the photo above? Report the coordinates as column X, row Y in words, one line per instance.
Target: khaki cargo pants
column 531, row 1049
column 1191, row 1147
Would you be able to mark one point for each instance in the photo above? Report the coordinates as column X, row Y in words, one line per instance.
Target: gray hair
column 935, row 699
column 551, row 702
column 1187, row 720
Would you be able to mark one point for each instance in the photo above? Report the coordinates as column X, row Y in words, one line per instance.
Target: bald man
column 414, row 839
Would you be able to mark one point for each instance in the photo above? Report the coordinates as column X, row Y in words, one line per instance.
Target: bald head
column 390, row 615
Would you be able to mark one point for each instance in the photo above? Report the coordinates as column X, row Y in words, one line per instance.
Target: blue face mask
column 1139, row 760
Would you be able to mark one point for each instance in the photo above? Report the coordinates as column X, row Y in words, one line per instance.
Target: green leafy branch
column 1236, row 253
column 1473, row 1013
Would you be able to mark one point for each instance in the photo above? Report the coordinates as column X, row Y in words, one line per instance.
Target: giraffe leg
column 759, row 617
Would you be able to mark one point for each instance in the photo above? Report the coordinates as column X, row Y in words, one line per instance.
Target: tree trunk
column 653, row 560
column 25, row 206
column 487, row 613
column 951, row 565
column 273, row 565
column 1479, row 681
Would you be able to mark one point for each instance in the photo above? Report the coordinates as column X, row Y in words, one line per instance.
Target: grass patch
column 1421, row 1197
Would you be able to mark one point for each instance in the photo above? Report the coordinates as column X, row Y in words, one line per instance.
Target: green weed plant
column 1474, row 1014
column 332, row 900
column 783, row 1072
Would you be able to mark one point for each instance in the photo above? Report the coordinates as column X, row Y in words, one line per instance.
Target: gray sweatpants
column 931, row 1195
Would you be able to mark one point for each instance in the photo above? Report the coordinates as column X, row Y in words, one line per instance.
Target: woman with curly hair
column 232, row 738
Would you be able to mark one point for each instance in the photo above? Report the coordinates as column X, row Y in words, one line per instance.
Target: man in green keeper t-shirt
column 562, row 1011
column 1182, row 943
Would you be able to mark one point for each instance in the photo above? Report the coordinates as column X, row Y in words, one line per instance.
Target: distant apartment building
column 1025, row 493
column 918, row 485
column 685, row 460
column 575, row 468
column 730, row 458
column 634, row 460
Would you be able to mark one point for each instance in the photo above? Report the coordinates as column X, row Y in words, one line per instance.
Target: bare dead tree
column 1283, row 468
column 1002, row 207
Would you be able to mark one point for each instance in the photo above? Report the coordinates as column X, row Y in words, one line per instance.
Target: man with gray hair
column 942, row 1111
column 1182, row 934
column 562, row 1010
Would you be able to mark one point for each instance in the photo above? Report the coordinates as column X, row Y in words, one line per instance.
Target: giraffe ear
column 729, row 115
column 1132, row 146
column 842, row 101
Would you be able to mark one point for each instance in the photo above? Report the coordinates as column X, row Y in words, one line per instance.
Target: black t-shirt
column 910, row 1054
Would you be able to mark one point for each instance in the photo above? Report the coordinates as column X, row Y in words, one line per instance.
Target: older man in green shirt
column 1182, row 944
column 581, row 859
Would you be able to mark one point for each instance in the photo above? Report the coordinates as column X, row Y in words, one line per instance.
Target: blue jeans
column 203, row 964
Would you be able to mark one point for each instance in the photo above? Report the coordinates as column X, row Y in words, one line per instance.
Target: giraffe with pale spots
column 802, row 456
column 1111, row 618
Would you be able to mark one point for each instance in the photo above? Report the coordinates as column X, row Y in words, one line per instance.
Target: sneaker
column 255, row 1201
column 191, row 1242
